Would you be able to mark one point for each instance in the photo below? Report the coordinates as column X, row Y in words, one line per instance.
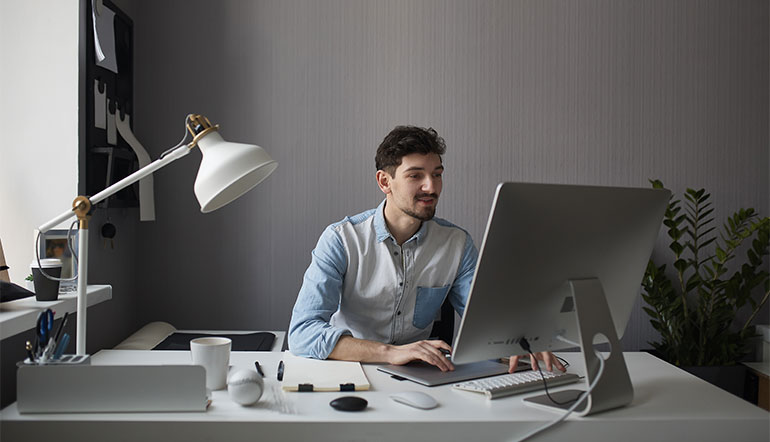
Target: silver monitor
column 560, row 261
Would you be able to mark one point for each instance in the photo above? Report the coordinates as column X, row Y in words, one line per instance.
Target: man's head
column 409, row 170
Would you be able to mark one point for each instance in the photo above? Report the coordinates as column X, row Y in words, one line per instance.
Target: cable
column 525, row 345
column 72, row 251
column 181, row 142
column 579, row 400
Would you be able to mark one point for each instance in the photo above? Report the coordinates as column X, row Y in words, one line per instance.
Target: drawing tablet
column 426, row 374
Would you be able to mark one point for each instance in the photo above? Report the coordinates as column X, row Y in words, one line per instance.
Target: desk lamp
column 227, row 171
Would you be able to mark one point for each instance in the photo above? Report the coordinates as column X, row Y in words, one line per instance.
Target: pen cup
column 214, row 355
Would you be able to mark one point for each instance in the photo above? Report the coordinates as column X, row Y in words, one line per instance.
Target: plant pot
column 731, row 378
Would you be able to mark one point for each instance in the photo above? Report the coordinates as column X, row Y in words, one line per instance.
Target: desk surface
column 669, row 404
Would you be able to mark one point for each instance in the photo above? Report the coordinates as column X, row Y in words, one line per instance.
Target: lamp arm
column 120, row 185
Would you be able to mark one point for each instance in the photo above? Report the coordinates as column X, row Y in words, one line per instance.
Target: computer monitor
column 561, row 261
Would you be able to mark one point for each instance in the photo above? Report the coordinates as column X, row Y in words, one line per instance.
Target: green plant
column 695, row 313
column 29, row 277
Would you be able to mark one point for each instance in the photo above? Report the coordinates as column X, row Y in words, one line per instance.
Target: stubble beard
column 427, row 214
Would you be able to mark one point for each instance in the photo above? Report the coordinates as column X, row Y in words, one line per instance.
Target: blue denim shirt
column 360, row 282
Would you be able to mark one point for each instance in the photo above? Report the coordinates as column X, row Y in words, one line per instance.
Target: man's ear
column 384, row 181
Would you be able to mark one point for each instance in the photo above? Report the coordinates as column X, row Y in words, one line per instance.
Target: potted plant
column 696, row 311
column 29, row 283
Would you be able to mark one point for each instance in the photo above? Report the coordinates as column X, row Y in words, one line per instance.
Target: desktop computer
column 561, row 266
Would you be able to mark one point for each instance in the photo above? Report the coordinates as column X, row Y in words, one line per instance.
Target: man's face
column 416, row 185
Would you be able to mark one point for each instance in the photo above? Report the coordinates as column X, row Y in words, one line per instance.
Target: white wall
column 38, row 120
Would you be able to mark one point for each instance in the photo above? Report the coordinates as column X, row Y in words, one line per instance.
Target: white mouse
column 416, row 399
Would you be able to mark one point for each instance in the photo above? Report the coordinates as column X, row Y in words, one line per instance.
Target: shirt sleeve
column 310, row 333
column 461, row 287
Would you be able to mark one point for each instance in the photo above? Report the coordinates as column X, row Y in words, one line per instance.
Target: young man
column 377, row 280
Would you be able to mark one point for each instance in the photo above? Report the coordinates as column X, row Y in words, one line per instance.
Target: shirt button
column 398, row 313
column 400, row 283
column 395, row 253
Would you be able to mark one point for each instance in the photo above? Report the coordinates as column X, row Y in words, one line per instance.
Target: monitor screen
column 538, row 238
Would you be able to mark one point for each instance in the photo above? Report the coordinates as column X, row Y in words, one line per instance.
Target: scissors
column 44, row 325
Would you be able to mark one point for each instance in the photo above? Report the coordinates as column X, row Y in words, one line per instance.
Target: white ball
column 245, row 386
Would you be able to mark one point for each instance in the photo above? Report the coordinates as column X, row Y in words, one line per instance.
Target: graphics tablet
column 429, row 375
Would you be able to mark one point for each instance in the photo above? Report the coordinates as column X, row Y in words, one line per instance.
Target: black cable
column 525, row 345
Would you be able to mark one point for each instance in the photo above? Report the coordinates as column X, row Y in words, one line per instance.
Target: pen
column 65, row 340
column 259, row 369
column 29, row 352
column 280, row 371
column 61, row 326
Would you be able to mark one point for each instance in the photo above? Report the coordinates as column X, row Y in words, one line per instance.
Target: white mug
column 214, row 355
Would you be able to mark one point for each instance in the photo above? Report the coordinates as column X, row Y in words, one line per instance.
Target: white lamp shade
column 228, row 170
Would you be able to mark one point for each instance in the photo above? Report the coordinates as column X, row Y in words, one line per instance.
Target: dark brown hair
column 405, row 140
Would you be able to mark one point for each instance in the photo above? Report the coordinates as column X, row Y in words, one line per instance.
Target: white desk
column 20, row 315
column 669, row 404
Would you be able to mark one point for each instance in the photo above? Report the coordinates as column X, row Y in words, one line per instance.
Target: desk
column 669, row 404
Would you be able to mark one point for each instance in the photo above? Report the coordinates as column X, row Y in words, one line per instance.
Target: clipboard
column 308, row 375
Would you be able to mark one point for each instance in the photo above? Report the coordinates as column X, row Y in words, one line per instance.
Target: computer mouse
column 349, row 403
column 416, row 399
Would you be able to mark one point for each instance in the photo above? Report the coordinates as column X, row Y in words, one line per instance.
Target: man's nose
column 429, row 185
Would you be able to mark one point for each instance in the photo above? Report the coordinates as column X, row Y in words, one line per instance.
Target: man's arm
column 349, row 348
column 310, row 333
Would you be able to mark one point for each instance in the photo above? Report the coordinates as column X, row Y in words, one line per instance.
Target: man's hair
column 405, row 140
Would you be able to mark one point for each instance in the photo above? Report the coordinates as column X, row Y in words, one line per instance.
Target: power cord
column 574, row 406
column 71, row 249
column 525, row 345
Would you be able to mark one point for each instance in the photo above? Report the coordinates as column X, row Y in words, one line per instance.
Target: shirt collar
column 382, row 229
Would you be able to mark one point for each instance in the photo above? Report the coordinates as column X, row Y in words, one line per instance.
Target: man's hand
column 428, row 351
column 349, row 348
column 547, row 357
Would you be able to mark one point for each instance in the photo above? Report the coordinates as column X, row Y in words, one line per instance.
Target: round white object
column 245, row 386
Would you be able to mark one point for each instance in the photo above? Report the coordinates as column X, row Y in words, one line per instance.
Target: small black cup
column 46, row 289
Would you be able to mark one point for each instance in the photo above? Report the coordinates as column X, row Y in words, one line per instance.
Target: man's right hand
column 427, row 351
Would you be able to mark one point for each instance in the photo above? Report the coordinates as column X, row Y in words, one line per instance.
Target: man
column 377, row 280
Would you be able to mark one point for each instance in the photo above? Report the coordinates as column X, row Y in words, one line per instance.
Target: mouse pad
column 426, row 374
column 260, row 341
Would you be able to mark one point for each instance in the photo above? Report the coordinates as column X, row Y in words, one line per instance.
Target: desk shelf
column 20, row 315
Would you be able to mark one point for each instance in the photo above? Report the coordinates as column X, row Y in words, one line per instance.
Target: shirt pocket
column 427, row 304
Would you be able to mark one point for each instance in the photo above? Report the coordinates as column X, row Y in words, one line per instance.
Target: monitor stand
column 614, row 389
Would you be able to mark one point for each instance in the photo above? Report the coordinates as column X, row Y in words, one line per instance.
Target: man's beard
column 428, row 213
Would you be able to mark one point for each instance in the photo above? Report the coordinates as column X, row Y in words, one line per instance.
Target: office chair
column 444, row 328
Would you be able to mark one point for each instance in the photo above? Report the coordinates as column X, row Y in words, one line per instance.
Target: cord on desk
column 578, row 401
column 525, row 345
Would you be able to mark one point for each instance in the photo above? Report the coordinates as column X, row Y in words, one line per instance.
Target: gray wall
column 583, row 92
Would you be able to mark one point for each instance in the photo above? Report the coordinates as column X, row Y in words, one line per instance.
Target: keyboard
column 515, row 383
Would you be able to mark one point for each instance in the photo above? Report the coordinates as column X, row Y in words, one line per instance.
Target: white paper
column 104, row 39
column 146, row 195
column 112, row 135
column 100, row 106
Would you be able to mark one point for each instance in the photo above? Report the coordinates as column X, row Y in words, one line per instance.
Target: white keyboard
column 515, row 383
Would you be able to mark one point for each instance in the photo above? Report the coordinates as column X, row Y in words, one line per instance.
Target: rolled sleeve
column 310, row 333
column 461, row 287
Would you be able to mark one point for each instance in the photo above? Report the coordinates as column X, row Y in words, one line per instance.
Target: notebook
column 305, row 374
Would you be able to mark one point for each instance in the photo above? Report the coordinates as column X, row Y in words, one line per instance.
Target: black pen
column 259, row 369
column 280, row 371
column 61, row 326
